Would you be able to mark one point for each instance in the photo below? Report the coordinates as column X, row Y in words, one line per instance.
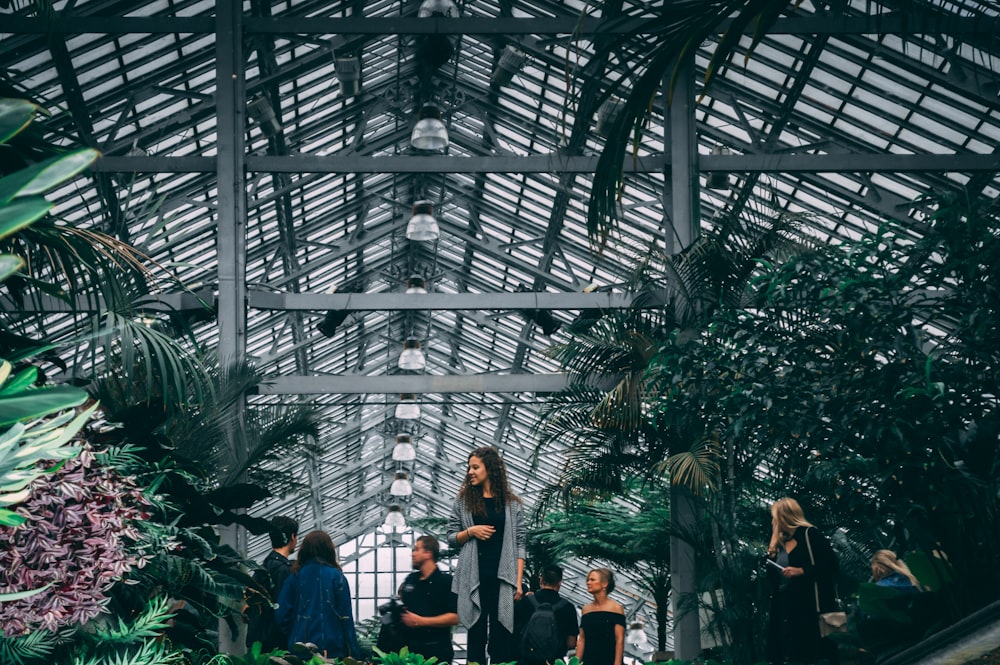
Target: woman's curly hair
column 472, row 495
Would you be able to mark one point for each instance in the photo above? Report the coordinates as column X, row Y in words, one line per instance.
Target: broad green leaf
column 11, row 498
column 9, row 265
column 15, row 115
column 43, row 176
column 21, row 213
column 22, row 381
column 10, row 518
column 39, row 402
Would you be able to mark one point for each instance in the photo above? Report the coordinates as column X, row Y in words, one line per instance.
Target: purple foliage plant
column 77, row 538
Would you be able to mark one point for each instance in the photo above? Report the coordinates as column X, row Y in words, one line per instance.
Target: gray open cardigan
column 465, row 580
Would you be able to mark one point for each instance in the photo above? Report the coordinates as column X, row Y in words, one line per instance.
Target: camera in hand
column 391, row 611
column 391, row 636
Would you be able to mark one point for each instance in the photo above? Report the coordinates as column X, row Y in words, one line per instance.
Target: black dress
column 599, row 637
column 793, row 626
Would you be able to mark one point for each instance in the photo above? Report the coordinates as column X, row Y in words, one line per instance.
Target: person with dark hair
column 487, row 529
column 315, row 602
column 431, row 605
column 546, row 622
column 802, row 567
column 270, row 577
column 602, row 623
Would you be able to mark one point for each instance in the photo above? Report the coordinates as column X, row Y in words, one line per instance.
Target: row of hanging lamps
column 407, row 408
column 394, row 520
column 423, row 227
column 401, row 486
column 404, row 451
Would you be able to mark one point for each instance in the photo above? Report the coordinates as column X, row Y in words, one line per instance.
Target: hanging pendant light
column 718, row 179
column 412, row 357
column 636, row 634
column 422, row 225
column 416, row 284
column 407, row 408
column 394, row 520
column 401, row 485
column 404, row 450
column 430, row 132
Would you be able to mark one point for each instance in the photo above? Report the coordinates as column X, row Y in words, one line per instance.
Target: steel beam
column 414, row 383
column 553, row 163
column 576, row 26
column 373, row 302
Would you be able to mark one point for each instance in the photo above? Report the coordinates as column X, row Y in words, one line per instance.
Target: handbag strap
column 813, row 562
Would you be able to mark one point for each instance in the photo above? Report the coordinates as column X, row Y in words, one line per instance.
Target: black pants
column 489, row 629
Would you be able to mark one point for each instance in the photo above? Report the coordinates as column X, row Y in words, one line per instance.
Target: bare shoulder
column 617, row 608
column 589, row 607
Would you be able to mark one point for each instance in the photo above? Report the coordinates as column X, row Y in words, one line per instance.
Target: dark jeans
column 489, row 629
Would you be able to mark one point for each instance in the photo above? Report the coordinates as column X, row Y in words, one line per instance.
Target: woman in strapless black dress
column 602, row 624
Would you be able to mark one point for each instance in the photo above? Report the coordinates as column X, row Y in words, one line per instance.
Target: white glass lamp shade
column 401, row 485
column 394, row 520
column 430, row 132
column 430, row 8
column 636, row 634
column 412, row 357
column 422, row 225
column 407, row 409
column 416, row 284
column 404, row 451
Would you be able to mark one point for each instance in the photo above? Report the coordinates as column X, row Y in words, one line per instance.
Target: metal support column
column 686, row 225
column 230, row 99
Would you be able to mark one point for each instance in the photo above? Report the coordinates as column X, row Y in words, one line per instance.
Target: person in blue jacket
column 890, row 571
column 315, row 601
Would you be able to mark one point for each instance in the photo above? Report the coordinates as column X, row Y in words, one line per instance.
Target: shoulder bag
column 829, row 622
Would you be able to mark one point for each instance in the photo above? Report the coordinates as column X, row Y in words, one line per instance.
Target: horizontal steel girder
column 413, row 383
column 578, row 26
column 374, row 302
column 553, row 163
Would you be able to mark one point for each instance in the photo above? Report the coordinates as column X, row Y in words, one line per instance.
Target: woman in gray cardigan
column 487, row 528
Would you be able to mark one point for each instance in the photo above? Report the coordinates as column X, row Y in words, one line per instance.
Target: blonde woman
column 798, row 580
column 602, row 623
column 889, row 571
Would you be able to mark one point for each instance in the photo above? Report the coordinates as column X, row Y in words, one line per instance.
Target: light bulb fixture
column 261, row 111
column 401, row 485
column 718, row 179
column 429, row 8
column 394, row 520
column 636, row 634
column 509, row 63
column 404, row 451
column 429, row 133
column 349, row 76
column 422, row 226
column 407, row 408
column 412, row 357
column 607, row 115
column 416, row 284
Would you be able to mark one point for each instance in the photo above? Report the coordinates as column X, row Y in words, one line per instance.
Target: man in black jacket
column 431, row 605
column 270, row 577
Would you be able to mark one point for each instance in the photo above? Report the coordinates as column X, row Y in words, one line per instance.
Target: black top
column 491, row 548
column 261, row 626
column 428, row 598
column 565, row 614
column 599, row 642
column 793, row 630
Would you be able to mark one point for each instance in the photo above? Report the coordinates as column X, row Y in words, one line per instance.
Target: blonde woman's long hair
column 885, row 562
column 788, row 516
